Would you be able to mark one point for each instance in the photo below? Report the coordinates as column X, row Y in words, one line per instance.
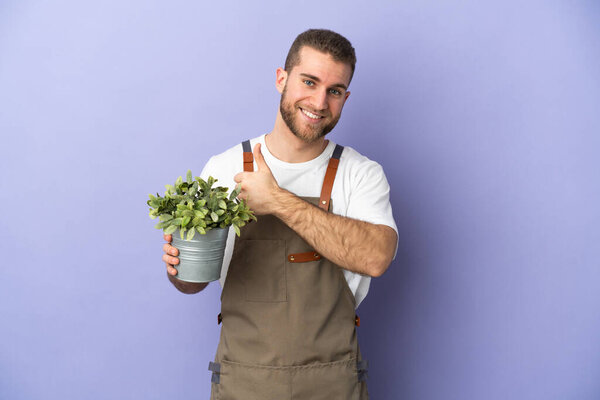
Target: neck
column 287, row 147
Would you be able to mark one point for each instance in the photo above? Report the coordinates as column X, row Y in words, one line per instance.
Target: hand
column 258, row 188
column 167, row 257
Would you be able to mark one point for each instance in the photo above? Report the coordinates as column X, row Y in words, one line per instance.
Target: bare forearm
column 187, row 287
column 352, row 244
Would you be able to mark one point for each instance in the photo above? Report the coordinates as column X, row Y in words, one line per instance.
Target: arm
column 357, row 246
column 170, row 259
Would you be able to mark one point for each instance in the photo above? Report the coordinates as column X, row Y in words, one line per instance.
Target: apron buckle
column 362, row 368
column 216, row 372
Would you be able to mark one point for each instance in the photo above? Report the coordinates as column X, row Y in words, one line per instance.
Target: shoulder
column 230, row 158
column 357, row 167
column 224, row 166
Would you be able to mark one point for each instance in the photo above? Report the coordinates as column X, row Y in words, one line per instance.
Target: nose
column 319, row 100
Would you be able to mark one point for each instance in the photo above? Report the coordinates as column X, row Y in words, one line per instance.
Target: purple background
column 484, row 117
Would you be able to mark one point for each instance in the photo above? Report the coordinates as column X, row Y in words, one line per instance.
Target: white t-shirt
column 360, row 191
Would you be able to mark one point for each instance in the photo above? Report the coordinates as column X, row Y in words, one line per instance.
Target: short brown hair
column 325, row 41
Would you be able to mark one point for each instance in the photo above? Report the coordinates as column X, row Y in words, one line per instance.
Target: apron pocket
column 248, row 382
column 327, row 381
column 321, row 381
column 264, row 275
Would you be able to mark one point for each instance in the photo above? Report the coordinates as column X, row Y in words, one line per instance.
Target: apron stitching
column 349, row 361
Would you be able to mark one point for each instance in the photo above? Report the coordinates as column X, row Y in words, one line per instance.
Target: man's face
column 313, row 94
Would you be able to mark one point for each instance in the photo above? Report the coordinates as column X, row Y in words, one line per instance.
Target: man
column 293, row 279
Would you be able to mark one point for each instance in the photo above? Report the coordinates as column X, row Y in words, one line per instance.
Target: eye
column 335, row 92
column 308, row 82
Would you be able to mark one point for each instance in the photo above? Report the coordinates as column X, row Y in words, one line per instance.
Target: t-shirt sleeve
column 208, row 170
column 222, row 169
column 369, row 199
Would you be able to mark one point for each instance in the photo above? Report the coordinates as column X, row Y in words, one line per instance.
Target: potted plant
column 199, row 217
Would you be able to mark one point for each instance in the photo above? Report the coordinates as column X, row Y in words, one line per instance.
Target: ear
column 280, row 79
column 346, row 96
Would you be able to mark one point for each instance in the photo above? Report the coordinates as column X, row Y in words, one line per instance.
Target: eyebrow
column 314, row 78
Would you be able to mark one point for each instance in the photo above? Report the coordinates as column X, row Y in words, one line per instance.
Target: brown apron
column 289, row 322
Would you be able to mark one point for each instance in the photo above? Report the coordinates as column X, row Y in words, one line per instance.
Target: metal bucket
column 201, row 259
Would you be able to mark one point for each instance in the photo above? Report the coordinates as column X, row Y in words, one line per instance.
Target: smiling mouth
column 311, row 115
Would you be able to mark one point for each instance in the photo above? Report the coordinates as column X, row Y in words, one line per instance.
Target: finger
column 168, row 249
column 260, row 160
column 238, row 177
column 171, row 271
column 168, row 238
column 170, row 260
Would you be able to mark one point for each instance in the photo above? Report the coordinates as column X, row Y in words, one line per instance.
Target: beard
column 306, row 132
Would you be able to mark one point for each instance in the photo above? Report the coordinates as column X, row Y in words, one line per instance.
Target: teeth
column 309, row 114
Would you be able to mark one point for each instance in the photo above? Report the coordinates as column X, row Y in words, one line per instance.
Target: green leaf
column 193, row 190
column 235, row 192
column 222, row 204
column 170, row 229
column 161, row 225
column 165, row 217
column 188, row 213
column 236, row 229
column 185, row 221
column 189, row 178
column 182, row 233
column 177, row 221
column 202, row 231
column 220, row 212
column 203, row 186
column 214, row 216
column 178, row 182
column 191, row 233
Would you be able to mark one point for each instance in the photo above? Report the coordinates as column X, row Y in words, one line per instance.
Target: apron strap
column 304, row 257
column 330, row 177
column 248, row 156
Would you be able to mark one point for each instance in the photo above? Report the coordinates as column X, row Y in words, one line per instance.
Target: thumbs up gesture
column 258, row 188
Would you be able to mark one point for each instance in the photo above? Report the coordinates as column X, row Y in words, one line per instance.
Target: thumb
column 260, row 160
